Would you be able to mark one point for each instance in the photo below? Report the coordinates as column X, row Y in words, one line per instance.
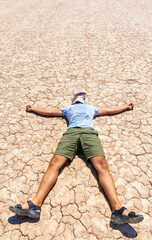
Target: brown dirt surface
column 48, row 50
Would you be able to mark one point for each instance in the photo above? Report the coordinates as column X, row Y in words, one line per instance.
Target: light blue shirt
column 80, row 115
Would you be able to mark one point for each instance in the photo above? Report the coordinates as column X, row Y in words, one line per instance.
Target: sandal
column 31, row 212
column 118, row 218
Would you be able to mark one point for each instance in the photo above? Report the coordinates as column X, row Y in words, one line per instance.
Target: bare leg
column 107, row 182
column 48, row 180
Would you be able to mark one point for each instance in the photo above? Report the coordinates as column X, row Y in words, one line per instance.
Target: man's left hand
column 130, row 106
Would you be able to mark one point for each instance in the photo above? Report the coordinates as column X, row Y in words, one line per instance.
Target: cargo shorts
column 74, row 138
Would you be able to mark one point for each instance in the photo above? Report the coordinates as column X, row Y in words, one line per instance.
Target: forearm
column 115, row 110
column 45, row 112
column 41, row 111
column 119, row 109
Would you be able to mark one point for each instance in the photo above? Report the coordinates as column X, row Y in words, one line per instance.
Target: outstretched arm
column 109, row 111
column 55, row 112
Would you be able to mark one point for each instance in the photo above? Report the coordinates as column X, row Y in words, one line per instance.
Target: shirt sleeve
column 65, row 111
column 95, row 109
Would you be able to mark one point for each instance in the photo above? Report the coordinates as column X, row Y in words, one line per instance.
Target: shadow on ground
column 126, row 230
column 19, row 219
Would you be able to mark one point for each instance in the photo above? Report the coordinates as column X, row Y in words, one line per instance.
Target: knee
column 54, row 162
column 102, row 168
column 101, row 165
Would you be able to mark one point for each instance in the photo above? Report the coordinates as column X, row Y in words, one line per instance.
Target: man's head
column 79, row 96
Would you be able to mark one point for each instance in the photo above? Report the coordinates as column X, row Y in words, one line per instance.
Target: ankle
column 116, row 207
column 36, row 202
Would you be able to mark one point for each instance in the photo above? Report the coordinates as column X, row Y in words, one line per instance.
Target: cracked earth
column 49, row 49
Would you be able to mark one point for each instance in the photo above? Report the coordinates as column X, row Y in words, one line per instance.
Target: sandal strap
column 18, row 206
column 132, row 214
column 119, row 212
column 33, row 206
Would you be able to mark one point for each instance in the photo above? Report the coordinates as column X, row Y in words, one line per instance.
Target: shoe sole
column 128, row 220
column 21, row 213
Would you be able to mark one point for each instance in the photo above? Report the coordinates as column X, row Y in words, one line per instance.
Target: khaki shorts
column 74, row 138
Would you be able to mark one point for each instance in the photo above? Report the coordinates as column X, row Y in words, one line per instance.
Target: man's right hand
column 29, row 108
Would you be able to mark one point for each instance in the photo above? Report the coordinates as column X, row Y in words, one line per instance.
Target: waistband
column 81, row 129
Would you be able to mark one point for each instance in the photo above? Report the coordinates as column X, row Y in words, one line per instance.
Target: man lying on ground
column 80, row 132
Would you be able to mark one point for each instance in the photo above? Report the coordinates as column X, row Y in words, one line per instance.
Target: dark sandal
column 31, row 212
column 118, row 218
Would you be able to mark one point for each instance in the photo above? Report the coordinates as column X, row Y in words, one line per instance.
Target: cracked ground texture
column 48, row 50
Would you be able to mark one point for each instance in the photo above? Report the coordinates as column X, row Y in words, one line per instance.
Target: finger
column 132, row 105
column 28, row 108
